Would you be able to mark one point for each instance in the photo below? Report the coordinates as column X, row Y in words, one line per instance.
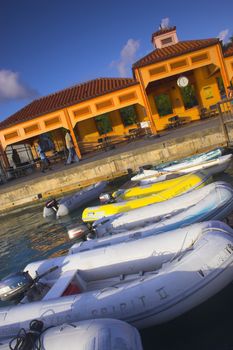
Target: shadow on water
column 206, row 327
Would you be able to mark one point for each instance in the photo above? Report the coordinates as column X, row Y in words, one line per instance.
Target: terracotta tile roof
column 229, row 51
column 67, row 97
column 175, row 50
column 163, row 31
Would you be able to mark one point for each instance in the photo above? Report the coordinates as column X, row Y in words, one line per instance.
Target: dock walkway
column 106, row 165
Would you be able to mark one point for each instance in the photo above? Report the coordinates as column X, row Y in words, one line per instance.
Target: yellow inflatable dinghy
column 147, row 190
column 186, row 183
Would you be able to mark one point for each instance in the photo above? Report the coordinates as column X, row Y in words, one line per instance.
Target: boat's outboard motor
column 117, row 194
column 77, row 230
column 144, row 167
column 52, row 204
column 105, row 198
column 140, row 170
column 90, row 236
column 99, row 227
column 16, row 285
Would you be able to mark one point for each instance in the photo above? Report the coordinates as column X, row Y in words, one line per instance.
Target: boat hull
column 214, row 166
column 100, row 334
column 211, row 202
column 150, row 299
column 150, row 189
column 193, row 160
column 127, row 257
column 70, row 203
column 172, row 189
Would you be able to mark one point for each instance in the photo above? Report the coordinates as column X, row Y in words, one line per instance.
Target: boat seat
column 80, row 282
column 65, row 285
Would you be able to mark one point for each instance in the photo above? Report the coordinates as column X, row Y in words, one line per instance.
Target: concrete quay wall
column 110, row 167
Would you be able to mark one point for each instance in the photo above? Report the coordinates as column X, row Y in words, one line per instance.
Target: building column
column 224, row 74
column 72, row 134
column 145, row 99
column 4, row 157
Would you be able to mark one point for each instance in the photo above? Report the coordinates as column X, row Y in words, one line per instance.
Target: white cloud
column 128, row 54
column 11, row 88
column 164, row 23
column 223, row 35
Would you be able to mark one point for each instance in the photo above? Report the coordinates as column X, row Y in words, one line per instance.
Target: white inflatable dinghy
column 212, row 202
column 146, row 299
column 100, row 334
column 212, row 167
column 70, row 203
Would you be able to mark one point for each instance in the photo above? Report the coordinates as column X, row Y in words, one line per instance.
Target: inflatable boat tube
column 193, row 160
column 171, row 189
column 70, row 203
column 211, row 202
column 100, row 334
column 168, row 185
column 112, row 259
column 214, row 166
column 182, row 163
column 143, row 300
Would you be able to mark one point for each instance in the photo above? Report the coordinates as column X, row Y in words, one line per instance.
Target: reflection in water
column 26, row 236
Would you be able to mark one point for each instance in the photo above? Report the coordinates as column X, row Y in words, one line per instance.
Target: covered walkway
column 118, row 149
column 37, row 187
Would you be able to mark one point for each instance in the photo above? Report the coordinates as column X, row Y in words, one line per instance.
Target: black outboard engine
column 140, row 170
column 52, row 204
column 144, row 167
column 15, row 285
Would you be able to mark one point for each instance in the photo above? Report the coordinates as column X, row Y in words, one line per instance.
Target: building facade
column 178, row 78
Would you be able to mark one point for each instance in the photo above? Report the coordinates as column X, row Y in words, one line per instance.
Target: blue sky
column 49, row 45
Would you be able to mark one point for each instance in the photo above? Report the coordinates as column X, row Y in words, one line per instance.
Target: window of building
column 103, row 123
column 189, row 96
column 163, row 104
column 128, row 115
column 166, row 41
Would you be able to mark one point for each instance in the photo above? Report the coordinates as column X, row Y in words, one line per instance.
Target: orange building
column 181, row 77
column 178, row 78
column 228, row 59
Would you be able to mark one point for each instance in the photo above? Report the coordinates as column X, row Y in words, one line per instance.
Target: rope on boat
column 27, row 340
column 31, row 340
column 180, row 253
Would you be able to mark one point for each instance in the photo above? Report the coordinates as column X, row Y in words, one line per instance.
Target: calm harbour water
column 26, row 236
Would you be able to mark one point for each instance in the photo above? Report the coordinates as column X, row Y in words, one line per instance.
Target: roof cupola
column 164, row 37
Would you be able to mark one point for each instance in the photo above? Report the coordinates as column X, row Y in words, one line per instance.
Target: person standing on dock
column 45, row 164
column 16, row 158
column 72, row 156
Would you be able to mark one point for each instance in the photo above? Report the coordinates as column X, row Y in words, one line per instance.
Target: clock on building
column 182, row 81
